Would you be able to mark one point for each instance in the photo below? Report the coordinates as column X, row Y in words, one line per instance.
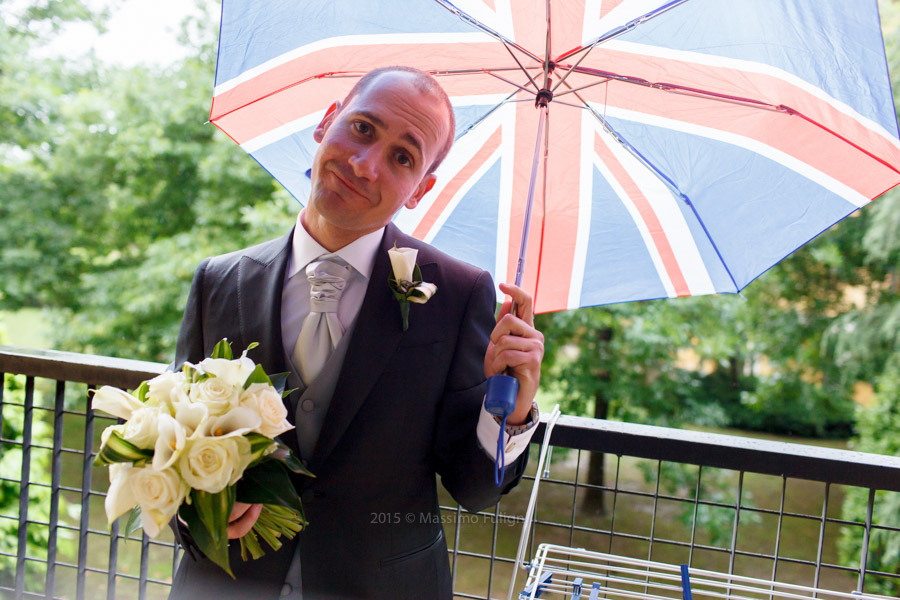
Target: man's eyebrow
column 379, row 123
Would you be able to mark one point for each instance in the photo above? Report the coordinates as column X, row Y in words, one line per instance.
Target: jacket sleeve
column 189, row 347
column 465, row 468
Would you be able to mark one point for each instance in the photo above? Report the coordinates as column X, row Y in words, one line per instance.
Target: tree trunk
column 593, row 502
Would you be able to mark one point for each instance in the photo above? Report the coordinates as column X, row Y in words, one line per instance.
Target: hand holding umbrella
column 512, row 363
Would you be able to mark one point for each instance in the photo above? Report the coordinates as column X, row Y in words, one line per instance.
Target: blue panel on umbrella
column 470, row 232
column 619, row 267
column 835, row 45
column 288, row 160
column 318, row 20
column 754, row 226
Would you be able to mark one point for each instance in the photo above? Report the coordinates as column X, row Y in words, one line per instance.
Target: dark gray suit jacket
column 405, row 408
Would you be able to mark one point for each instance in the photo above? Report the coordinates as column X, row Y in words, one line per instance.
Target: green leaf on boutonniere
column 223, row 350
column 207, row 518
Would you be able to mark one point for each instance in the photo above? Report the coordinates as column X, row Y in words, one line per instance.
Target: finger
column 510, row 325
column 243, row 525
column 238, row 511
column 523, row 300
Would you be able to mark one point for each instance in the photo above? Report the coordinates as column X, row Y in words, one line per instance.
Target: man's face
column 374, row 154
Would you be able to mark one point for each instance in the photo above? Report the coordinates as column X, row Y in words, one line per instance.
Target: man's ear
column 423, row 188
column 325, row 123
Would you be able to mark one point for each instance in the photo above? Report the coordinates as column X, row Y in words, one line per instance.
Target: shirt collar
column 359, row 254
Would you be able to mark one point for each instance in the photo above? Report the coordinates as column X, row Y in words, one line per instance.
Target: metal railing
column 719, row 502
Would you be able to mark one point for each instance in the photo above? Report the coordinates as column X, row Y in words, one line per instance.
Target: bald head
column 424, row 83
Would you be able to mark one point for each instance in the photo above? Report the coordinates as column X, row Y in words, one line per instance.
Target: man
column 390, row 408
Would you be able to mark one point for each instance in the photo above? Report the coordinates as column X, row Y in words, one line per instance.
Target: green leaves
column 222, row 350
column 118, row 450
column 268, row 483
column 207, row 518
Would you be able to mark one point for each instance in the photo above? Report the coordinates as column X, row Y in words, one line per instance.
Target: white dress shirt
column 360, row 255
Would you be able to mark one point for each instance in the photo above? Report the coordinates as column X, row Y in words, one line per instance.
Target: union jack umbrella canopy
column 685, row 146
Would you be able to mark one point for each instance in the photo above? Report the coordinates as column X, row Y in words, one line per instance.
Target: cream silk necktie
column 321, row 329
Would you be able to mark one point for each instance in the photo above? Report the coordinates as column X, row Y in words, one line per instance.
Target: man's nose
column 365, row 163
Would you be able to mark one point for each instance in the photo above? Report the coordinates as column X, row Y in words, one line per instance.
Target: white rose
column 218, row 395
column 159, row 494
column 265, row 401
column 120, row 496
column 168, row 388
column 233, row 372
column 141, row 428
column 211, row 463
column 403, row 261
column 115, row 402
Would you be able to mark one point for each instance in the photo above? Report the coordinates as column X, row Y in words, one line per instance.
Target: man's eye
column 404, row 160
column 363, row 127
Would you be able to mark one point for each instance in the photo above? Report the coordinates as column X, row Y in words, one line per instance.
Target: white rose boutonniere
column 406, row 281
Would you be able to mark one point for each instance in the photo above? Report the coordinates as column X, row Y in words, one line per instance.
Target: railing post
column 821, row 538
column 85, row 497
column 864, row 551
column 56, row 476
column 24, row 484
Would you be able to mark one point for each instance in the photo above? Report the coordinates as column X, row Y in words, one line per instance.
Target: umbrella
column 670, row 148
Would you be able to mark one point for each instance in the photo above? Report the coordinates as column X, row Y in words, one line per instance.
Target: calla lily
column 120, row 497
column 403, row 262
column 169, row 443
column 115, row 402
column 191, row 415
column 233, row 372
column 235, row 422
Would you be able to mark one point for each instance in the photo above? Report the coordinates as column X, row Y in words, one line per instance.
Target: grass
column 633, row 514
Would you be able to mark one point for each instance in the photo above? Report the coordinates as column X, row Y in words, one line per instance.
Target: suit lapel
column 377, row 333
column 260, row 285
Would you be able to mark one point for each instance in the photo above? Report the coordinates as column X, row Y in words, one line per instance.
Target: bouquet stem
column 274, row 521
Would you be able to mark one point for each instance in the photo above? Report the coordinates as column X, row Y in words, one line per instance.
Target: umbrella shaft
column 523, row 246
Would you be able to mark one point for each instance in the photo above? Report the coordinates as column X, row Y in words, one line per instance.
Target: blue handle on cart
column 500, row 400
column 685, row 583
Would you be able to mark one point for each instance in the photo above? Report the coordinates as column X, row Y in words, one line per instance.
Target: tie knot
column 327, row 277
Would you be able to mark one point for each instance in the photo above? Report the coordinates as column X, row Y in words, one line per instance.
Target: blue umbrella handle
column 500, row 400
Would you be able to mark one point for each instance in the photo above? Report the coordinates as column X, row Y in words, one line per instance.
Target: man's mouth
column 346, row 183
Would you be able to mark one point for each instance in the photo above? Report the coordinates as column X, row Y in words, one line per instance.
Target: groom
column 384, row 410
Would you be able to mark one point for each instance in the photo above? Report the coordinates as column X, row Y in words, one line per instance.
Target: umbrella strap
column 500, row 458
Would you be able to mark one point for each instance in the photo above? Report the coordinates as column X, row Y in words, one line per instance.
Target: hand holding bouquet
column 193, row 443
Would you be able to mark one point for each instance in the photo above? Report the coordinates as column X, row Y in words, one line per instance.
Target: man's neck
column 330, row 238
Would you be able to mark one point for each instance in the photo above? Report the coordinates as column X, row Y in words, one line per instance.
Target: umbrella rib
column 484, row 116
column 621, row 30
column 466, row 18
column 521, row 66
column 662, row 177
column 512, row 83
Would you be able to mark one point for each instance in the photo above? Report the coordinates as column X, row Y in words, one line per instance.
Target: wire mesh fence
column 797, row 514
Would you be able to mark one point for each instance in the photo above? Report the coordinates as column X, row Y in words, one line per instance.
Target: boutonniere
column 406, row 281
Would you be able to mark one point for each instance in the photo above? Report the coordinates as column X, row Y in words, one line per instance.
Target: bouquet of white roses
column 196, row 441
